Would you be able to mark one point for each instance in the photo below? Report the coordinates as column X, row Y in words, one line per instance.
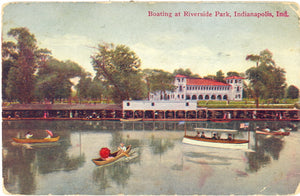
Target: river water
column 158, row 164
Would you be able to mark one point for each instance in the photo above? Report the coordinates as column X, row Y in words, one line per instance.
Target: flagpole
column 184, row 129
column 249, row 136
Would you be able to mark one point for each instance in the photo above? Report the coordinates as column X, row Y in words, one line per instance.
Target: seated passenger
column 267, row 129
column 198, row 134
column 281, row 130
column 229, row 137
column 202, row 135
column 122, row 148
column 215, row 137
column 48, row 136
column 28, row 135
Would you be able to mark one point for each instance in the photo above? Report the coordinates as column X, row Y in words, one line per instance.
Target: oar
column 127, row 155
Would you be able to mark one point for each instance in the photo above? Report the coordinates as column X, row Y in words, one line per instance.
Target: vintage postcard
column 150, row 98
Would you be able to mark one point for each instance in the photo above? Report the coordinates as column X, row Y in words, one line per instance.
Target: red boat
column 273, row 133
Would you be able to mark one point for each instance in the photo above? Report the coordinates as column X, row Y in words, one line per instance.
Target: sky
column 205, row 45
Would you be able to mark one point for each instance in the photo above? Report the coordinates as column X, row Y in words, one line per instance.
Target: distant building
column 202, row 89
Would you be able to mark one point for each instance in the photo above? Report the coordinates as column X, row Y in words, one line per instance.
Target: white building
column 202, row 89
column 159, row 105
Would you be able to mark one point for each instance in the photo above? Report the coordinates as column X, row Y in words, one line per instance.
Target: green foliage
column 232, row 73
column 21, row 79
column 266, row 79
column 53, row 79
column 292, row 92
column 158, row 81
column 243, row 104
column 118, row 66
column 185, row 72
column 220, row 76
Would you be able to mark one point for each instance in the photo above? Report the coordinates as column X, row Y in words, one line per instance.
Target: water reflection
column 266, row 149
column 117, row 172
column 23, row 162
column 158, row 142
column 159, row 145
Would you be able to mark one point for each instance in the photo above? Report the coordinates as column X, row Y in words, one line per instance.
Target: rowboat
column 273, row 133
column 100, row 161
column 31, row 141
column 216, row 143
column 130, row 119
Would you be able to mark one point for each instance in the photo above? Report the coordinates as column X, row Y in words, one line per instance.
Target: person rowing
column 122, row 149
column 28, row 135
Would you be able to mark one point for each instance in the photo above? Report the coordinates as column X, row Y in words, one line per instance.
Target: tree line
column 32, row 74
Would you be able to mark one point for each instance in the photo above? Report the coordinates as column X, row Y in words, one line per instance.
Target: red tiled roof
column 234, row 77
column 180, row 76
column 201, row 81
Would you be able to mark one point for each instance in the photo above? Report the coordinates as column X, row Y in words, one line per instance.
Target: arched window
column 194, row 97
column 206, row 96
column 219, row 97
column 225, row 97
column 188, row 97
column 213, row 97
column 200, row 97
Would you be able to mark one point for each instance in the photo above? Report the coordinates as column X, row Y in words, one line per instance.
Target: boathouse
column 62, row 111
column 168, row 110
column 146, row 110
column 161, row 109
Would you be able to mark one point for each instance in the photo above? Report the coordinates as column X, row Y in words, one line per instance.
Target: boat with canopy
column 215, row 139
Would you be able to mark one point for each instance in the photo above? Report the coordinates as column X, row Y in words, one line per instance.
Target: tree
column 292, row 92
column 53, row 79
column 267, row 80
column 83, row 87
column 187, row 72
column 232, row 73
column 21, row 80
column 210, row 77
column 256, row 84
column 118, row 66
column 20, row 61
column 9, row 58
column 220, row 76
column 97, row 89
column 88, row 88
column 159, row 81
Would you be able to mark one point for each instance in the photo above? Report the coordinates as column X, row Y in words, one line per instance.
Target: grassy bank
column 286, row 103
